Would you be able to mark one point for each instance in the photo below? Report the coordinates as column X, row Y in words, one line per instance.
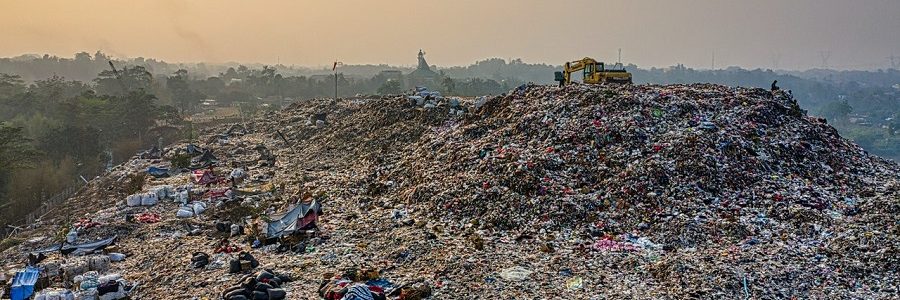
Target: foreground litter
column 581, row 192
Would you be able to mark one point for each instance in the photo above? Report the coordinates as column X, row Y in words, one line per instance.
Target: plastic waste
column 516, row 273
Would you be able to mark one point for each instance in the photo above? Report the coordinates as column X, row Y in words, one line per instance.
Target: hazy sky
column 856, row 34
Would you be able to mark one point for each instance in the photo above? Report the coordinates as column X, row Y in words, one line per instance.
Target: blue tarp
column 158, row 172
column 67, row 248
column 88, row 247
column 23, row 284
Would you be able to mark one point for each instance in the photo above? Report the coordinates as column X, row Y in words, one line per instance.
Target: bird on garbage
column 775, row 86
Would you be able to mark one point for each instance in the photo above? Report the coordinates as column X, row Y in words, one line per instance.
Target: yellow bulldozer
column 593, row 72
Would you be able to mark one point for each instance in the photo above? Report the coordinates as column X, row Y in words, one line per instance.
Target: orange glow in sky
column 858, row 34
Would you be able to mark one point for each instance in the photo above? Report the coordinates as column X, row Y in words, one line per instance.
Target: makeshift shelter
column 193, row 149
column 22, row 286
column 207, row 157
column 204, row 160
column 301, row 217
column 203, row 177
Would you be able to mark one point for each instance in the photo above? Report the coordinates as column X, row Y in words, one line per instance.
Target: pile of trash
column 576, row 192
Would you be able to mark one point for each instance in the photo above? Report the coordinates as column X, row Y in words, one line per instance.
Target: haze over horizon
column 760, row 34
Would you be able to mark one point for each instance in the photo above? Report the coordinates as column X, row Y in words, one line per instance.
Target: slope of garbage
column 579, row 192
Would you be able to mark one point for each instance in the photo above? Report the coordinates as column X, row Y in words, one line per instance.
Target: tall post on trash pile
column 334, row 68
column 620, row 56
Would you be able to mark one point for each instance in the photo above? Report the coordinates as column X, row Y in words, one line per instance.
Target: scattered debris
column 632, row 191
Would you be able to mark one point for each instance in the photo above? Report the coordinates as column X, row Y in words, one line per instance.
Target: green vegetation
column 135, row 183
column 10, row 242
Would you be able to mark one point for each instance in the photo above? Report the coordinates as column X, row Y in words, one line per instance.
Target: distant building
column 209, row 102
column 422, row 75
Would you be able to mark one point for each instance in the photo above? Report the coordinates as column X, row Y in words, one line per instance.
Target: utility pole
column 714, row 60
column 620, row 55
column 334, row 68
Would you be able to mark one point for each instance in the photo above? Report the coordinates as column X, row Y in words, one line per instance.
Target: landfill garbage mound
column 576, row 192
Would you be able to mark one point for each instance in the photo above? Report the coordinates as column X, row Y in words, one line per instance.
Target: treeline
column 56, row 131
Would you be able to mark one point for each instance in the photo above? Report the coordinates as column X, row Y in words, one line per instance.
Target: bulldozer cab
column 592, row 72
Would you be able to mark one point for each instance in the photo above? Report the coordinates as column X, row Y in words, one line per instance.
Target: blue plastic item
column 23, row 284
column 381, row 282
column 158, row 172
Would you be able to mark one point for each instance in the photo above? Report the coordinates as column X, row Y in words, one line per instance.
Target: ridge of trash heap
column 577, row 192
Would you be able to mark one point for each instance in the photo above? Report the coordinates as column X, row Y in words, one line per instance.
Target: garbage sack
column 185, row 212
column 236, row 230
column 133, row 200
column 182, row 197
column 55, row 294
column 164, row 191
column 90, row 294
column 198, row 207
column 149, row 199
column 90, row 280
column 99, row 263
column 74, row 267
column 116, row 257
column 72, row 236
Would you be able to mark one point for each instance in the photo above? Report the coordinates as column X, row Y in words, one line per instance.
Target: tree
column 10, row 85
column 51, row 91
column 182, row 95
column 449, row 85
column 16, row 152
column 169, row 114
column 128, row 80
column 837, row 110
column 390, row 87
column 79, row 142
